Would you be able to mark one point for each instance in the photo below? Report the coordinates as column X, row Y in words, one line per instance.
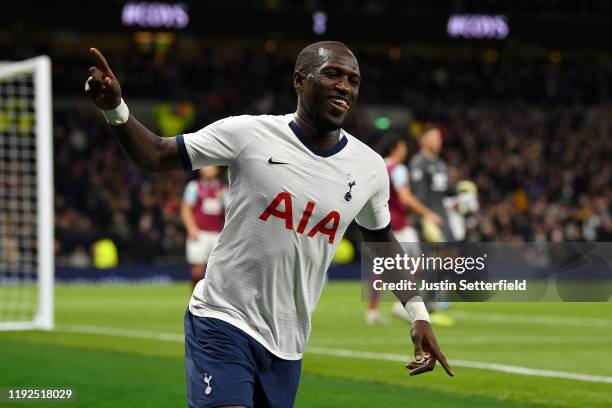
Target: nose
column 343, row 87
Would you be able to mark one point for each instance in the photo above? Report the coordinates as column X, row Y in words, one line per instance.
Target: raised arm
column 147, row 150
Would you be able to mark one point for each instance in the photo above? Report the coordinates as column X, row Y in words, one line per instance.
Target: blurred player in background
column 441, row 190
column 429, row 180
column 401, row 202
column 202, row 215
column 248, row 322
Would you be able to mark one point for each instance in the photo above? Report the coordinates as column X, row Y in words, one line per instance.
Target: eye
column 354, row 81
column 332, row 73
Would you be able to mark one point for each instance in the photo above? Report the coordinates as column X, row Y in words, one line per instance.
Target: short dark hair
column 427, row 126
column 389, row 142
column 309, row 58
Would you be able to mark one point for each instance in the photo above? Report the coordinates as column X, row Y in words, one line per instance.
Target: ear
column 298, row 81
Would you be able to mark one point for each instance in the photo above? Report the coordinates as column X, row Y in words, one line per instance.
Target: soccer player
column 296, row 182
column 202, row 214
column 401, row 201
column 429, row 180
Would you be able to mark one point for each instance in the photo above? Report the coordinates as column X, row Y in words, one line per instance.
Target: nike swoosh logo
column 270, row 161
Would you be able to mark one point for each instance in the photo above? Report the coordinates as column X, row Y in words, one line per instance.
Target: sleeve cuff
column 180, row 141
column 383, row 230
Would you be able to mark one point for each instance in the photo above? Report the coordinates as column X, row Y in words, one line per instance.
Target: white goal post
column 26, row 195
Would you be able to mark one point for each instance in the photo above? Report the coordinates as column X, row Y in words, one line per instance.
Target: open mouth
column 338, row 103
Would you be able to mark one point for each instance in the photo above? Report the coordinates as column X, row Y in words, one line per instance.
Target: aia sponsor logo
column 282, row 207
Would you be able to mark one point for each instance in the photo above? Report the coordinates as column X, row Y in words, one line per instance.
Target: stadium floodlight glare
column 382, row 123
column 155, row 15
column 478, row 26
column 319, row 22
column 26, row 195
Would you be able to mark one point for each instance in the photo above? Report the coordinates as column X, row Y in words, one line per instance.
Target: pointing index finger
column 101, row 60
column 437, row 354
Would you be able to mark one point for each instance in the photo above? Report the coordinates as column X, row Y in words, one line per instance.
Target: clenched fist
column 102, row 85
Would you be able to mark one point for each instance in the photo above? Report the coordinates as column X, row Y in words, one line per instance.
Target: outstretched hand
column 102, row 85
column 426, row 350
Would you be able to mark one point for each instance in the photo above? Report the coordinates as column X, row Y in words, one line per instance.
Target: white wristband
column 416, row 309
column 117, row 116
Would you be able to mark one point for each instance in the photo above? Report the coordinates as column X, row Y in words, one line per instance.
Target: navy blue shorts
column 225, row 366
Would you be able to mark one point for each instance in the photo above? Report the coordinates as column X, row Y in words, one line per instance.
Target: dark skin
column 325, row 95
column 149, row 151
column 335, row 75
column 426, row 349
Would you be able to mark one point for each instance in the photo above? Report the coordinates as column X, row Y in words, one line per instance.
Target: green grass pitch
column 121, row 346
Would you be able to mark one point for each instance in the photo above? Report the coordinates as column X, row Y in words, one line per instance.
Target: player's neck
column 429, row 154
column 321, row 139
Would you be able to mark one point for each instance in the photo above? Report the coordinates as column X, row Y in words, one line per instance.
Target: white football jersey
column 290, row 207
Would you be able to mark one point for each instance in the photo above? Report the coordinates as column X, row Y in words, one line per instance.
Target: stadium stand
column 521, row 127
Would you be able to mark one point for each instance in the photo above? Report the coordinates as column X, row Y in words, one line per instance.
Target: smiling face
column 327, row 85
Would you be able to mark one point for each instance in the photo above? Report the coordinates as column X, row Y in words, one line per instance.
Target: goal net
column 26, row 191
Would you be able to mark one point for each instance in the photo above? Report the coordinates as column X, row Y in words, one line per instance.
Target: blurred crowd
column 100, row 194
column 535, row 135
column 543, row 173
column 237, row 77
